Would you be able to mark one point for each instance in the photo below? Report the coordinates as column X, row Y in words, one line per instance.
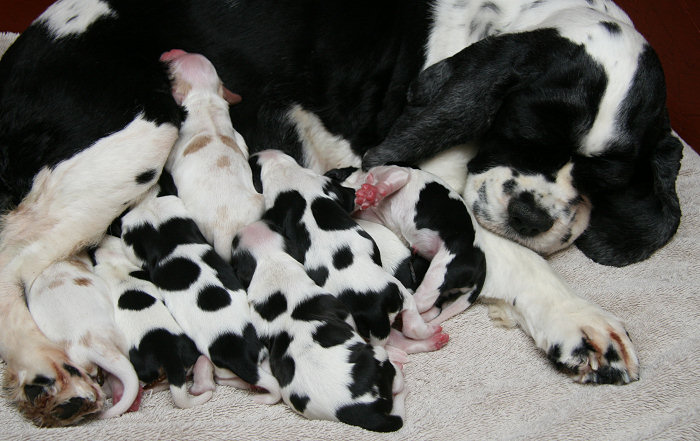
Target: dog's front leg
column 581, row 339
column 68, row 207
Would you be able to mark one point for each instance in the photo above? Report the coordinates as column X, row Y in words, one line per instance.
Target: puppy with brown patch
column 209, row 162
column 72, row 307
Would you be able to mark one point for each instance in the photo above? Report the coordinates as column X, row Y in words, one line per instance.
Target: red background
column 671, row 26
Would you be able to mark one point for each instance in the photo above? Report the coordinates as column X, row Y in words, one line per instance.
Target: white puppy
column 209, row 162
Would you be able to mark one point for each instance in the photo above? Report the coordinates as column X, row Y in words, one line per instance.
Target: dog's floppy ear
column 454, row 101
column 627, row 225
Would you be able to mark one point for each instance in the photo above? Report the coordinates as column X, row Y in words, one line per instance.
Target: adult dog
column 563, row 100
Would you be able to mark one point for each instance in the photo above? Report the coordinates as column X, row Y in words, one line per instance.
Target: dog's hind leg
column 68, row 207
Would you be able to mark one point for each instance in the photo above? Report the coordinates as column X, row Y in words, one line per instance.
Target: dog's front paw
column 594, row 347
column 50, row 391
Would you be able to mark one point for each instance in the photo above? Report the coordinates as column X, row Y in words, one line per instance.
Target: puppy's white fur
column 73, row 308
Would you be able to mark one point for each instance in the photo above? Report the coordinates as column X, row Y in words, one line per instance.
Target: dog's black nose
column 526, row 217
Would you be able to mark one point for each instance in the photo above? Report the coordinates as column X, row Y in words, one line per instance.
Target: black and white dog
column 562, row 103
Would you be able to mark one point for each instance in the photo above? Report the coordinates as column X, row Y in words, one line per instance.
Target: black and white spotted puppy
column 312, row 211
column 156, row 342
column 434, row 220
column 72, row 307
column 325, row 369
column 200, row 290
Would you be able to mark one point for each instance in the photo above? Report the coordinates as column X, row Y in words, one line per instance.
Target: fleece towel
column 490, row 382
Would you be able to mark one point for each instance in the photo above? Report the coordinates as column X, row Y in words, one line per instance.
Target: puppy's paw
column 597, row 350
column 50, row 391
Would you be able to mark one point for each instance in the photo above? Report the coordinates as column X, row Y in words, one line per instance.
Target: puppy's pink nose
column 172, row 54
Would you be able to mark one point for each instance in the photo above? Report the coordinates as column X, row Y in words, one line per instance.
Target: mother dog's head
column 573, row 136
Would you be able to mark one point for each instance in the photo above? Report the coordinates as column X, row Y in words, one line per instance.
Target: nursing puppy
column 200, row 290
column 156, row 342
column 325, row 368
column 313, row 214
column 73, row 307
column 209, row 162
column 433, row 219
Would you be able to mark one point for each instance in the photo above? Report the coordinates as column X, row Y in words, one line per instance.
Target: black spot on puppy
column 244, row 265
column 299, row 402
column 330, row 216
column 224, row 271
column 176, row 274
column 140, row 274
column 135, row 300
column 146, row 177
column 320, row 308
column 239, row 354
column 282, row 366
column 318, row 275
column 343, row 258
column 272, row 307
column 286, row 215
column 213, row 298
column 369, row 416
column 332, row 334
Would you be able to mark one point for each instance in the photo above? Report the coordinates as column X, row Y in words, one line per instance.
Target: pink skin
column 118, row 391
column 378, row 187
column 203, row 376
column 180, row 56
column 411, row 346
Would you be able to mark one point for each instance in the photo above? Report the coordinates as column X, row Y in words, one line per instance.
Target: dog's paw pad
column 57, row 396
column 599, row 357
column 366, row 196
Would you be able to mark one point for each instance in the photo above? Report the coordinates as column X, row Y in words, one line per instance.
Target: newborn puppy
column 156, row 342
column 72, row 307
column 433, row 219
column 324, row 368
column 200, row 290
column 209, row 161
column 312, row 212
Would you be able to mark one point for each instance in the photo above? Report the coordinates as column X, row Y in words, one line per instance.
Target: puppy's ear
column 243, row 264
column 455, row 100
column 627, row 225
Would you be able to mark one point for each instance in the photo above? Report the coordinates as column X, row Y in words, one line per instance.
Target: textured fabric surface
column 490, row 382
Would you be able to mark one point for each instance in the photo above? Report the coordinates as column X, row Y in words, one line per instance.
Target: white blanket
column 490, row 382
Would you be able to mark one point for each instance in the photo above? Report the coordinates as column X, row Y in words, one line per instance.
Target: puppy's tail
column 114, row 362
